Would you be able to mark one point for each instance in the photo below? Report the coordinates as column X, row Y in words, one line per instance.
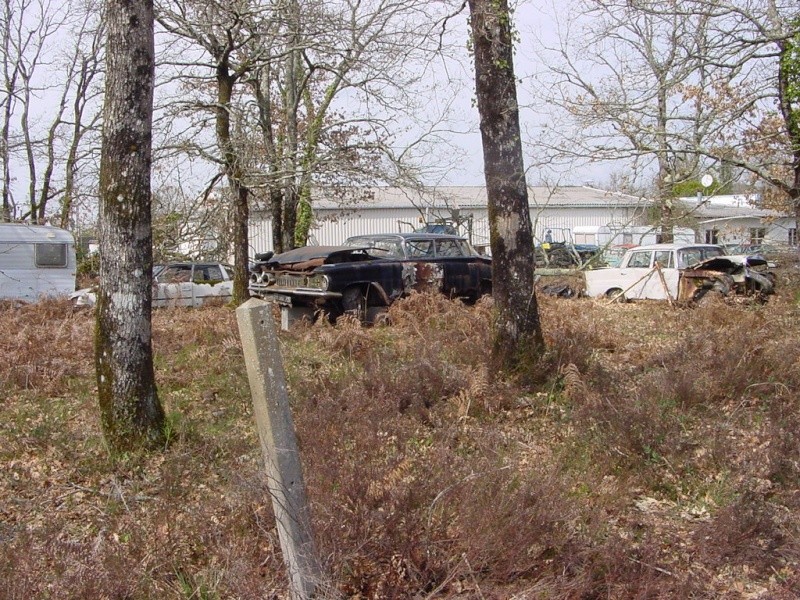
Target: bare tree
column 518, row 335
column 289, row 126
column 220, row 30
column 16, row 40
column 49, row 62
column 633, row 80
column 131, row 412
column 316, row 54
column 762, row 38
column 84, row 69
column 691, row 85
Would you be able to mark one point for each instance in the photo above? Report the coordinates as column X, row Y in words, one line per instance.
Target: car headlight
column 317, row 282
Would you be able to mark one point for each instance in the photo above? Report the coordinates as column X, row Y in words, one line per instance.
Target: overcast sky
column 535, row 24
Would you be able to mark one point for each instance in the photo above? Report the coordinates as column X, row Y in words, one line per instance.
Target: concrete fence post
column 279, row 445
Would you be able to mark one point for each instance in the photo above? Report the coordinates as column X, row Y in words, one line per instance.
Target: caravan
column 35, row 261
column 610, row 235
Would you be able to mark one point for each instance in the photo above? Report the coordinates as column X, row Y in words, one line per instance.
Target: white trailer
column 36, row 261
column 610, row 235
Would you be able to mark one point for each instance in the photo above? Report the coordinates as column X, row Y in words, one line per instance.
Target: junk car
column 682, row 272
column 181, row 284
column 368, row 273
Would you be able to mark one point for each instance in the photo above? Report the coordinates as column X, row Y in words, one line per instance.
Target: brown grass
column 659, row 458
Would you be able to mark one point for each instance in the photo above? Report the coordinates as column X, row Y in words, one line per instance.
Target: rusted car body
column 368, row 273
column 681, row 272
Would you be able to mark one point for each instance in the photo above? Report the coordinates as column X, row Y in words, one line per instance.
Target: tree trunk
column 240, row 194
column 5, row 156
column 276, row 211
column 290, row 202
column 518, row 337
column 665, row 173
column 789, row 104
column 130, row 410
column 241, row 246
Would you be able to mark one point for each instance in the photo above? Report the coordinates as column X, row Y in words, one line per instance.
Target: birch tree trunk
column 517, row 335
column 130, row 410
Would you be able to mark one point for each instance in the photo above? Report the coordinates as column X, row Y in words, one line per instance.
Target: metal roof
column 728, row 206
column 23, row 232
column 471, row 197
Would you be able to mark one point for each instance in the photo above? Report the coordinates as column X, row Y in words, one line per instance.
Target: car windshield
column 422, row 247
column 383, row 246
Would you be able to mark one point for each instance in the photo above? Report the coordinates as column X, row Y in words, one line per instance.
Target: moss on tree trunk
column 518, row 336
column 131, row 413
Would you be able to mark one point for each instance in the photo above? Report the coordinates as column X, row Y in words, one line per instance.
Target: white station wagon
column 181, row 284
column 683, row 272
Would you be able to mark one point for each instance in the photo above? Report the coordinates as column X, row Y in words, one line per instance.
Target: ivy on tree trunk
column 130, row 410
column 518, row 336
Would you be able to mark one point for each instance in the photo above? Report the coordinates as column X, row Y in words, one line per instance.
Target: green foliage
column 690, row 187
column 790, row 75
column 88, row 265
column 304, row 218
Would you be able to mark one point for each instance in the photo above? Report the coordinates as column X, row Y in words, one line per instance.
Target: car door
column 209, row 281
column 173, row 286
column 663, row 280
column 635, row 276
column 461, row 272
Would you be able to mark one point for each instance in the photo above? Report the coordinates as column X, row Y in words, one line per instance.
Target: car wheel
column 615, row 295
column 709, row 295
column 354, row 302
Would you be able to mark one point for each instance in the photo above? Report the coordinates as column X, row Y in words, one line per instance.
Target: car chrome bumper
column 285, row 295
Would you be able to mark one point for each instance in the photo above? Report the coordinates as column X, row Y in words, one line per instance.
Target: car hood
column 313, row 255
column 726, row 264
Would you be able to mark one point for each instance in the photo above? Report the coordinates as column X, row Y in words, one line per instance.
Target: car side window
column 639, row 260
column 175, row 274
column 448, row 248
column 207, row 273
column 663, row 259
column 419, row 248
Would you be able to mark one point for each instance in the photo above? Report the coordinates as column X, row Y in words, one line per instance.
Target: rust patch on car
column 428, row 277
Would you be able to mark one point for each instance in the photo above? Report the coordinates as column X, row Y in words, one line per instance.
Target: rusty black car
column 369, row 272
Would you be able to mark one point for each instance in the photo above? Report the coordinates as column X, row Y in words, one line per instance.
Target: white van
column 36, row 261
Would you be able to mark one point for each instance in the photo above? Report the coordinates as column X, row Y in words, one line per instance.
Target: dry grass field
column 658, row 457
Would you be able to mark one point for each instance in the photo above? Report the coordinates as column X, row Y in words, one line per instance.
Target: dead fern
column 475, row 390
column 401, row 474
column 575, row 389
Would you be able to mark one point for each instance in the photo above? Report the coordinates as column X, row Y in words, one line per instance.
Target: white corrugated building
column 393, row 209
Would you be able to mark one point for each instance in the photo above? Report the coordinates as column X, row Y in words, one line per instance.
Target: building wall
column 737, row 230
column 333, row 228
